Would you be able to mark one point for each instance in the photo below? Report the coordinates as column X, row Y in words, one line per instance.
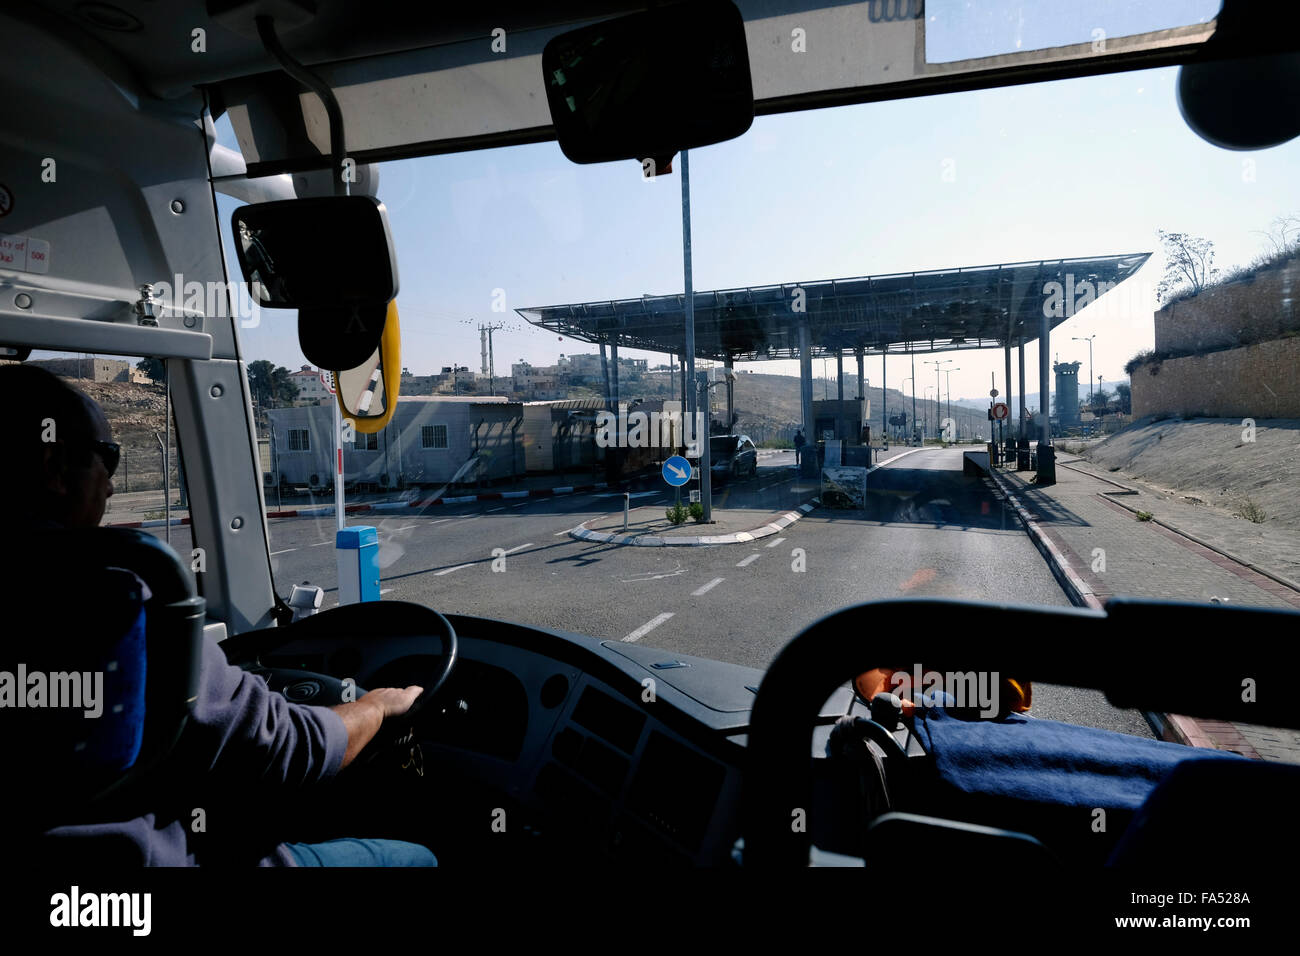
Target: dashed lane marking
column 773, row 544
column 449, row 570
column 749, row 560
column 647, row 627
column 708, row 587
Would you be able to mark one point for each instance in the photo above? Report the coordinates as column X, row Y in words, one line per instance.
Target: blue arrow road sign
column 677, row 471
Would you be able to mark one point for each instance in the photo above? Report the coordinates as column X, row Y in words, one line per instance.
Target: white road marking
column 403, row 528
column 384, row 590
column 708, row 587
column 558, row 533
column 320, row 544
column 285, row 551
column 749, row 560
column 773, row 544
column 647, row 627
column 654, row 576
column 522, row 504
column 491, row 510
column 520, row 548
column 449, row 570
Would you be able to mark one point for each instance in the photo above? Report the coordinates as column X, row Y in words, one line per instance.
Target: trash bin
column 1046, row 465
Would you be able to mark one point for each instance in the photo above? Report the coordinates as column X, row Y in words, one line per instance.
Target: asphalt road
column 927, row 530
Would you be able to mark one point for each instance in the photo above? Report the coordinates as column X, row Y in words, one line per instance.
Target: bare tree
column 1283, row 235
column 1189, row 264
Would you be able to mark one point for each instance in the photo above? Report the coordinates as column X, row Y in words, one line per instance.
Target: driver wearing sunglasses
column 60, row 477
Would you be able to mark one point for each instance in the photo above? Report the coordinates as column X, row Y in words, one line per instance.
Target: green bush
column 696, row 511
column 677, row 514
column 1252, row 512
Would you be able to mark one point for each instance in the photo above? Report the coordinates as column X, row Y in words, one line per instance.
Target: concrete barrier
column 975, row 463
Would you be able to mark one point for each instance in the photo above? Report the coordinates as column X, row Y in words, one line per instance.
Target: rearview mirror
column 367, row 394
column 650, row 84
column 331, row 258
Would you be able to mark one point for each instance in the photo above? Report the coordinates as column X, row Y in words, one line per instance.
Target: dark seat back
column 73, row 605
column 1211, row 815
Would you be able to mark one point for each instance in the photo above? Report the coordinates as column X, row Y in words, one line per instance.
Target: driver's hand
column 393, row 701
column 363, row 717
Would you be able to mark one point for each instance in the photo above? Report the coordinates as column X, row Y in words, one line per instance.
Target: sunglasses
column 110, row 452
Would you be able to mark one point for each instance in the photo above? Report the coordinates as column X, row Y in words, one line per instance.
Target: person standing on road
column 799, row 442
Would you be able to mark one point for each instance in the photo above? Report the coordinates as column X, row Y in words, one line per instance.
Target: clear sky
column 1082, row 167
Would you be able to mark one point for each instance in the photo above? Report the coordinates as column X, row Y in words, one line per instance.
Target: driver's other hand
column 393, row 701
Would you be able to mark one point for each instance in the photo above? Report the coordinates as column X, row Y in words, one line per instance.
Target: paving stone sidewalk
column 1089, row 522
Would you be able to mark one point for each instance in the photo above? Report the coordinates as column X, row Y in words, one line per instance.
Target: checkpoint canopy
column 988, row 306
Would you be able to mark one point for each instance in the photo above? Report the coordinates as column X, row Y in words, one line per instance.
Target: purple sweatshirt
column 239, row 730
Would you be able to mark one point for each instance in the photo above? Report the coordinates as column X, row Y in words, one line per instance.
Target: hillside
column 1208, row 462
column 136, row 414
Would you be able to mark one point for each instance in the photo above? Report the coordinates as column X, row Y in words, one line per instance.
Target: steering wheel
column 368, row 621
column 397, row 731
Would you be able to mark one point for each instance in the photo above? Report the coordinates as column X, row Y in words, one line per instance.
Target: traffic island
column 650, row 527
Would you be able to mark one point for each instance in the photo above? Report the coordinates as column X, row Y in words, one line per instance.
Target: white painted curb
column 583, row 533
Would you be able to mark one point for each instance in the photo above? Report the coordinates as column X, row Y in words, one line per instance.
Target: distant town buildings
column 311, row 389
column 93, row 369
column 526, row 382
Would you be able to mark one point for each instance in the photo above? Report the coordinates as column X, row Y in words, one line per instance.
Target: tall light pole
column 1088, row 339
column 913, row 354
column 937, row 393
column 912, row 379
column 948, row 372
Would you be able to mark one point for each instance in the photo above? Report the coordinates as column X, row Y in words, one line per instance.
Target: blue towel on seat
column 1048, row 762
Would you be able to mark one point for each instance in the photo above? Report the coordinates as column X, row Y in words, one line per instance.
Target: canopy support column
column 806, row 400
column 729, row 364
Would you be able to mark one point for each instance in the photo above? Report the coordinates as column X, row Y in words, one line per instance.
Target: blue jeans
column 351, row 852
